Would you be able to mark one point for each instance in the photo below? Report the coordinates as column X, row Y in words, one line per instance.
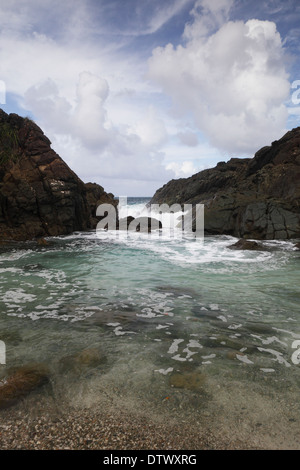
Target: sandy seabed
column 34, row 425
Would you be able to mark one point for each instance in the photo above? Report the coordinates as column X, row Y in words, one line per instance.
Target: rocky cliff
column 256, row 197
column 39, row 194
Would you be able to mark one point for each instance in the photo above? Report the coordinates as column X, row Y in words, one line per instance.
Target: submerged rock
column 254, row 198
column 188, row 380
column 20, row 382
column 87, row 358
column 233, row 354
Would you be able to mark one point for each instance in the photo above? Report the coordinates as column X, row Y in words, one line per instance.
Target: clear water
column 184, row 328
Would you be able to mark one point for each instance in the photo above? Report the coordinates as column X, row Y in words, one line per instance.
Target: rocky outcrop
column 256, row 198
column 96, row 195
column 39, row 194
column 246, row 245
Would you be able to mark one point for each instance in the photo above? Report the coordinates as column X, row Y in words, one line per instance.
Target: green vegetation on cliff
column 9, row 142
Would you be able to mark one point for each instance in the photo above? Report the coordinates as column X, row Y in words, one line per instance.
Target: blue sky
column 133, row 93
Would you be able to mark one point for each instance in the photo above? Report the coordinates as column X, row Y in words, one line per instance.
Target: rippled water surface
column 170, row 325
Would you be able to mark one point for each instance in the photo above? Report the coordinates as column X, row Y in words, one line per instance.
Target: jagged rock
column 256, row 198
column 21, row 382
column 297, row 246
column 39, row 194
column 95, row 196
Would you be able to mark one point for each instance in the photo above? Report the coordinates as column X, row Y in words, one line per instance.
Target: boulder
column 81, row 361
column 244, row 244
column 256, row 198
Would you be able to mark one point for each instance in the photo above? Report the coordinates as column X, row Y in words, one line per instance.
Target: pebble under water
column 177, row 328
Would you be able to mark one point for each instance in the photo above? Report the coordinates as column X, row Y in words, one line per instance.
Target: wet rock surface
column 256, row 198
column 244, row 244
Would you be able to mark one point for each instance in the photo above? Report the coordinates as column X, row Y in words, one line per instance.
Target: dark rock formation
column 256, row 198
column 96, row 195
column 39, row 194
column 144, row 224
column 243, row 244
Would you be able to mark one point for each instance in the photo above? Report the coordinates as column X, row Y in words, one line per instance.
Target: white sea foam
column 174, row 346
column 17, row 296
column 278, row 356
column 244, row 359
column 164, row 371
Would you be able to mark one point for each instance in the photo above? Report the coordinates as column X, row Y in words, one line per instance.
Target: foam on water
column 167, row 312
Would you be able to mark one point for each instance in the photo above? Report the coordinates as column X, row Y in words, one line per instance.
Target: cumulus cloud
column 78, row 69
column 207, row 16
column 83, row 134
column 233, row 80
column 151, row 128
column 183, row 169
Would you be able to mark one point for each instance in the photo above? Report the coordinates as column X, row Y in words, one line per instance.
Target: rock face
column 255, row 198
column 39, row 194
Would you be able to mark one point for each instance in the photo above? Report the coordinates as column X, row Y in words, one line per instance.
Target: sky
column 134, row 93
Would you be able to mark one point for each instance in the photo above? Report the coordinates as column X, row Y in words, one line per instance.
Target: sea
column 163, row 324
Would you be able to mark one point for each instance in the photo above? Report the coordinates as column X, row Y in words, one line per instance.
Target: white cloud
column 208, row 15
column 188, row 138
column 83, row 134
column 163, row 14
column 233, row 81
column 86, row 96
column 182, row 170
column 140, row 18
column 151, row 128
column 72, row 66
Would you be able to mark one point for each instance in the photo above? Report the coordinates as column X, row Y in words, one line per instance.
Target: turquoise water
column 179, row 327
